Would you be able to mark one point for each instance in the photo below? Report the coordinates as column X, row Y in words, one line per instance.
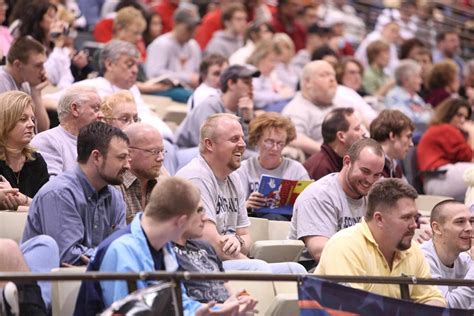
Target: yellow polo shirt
column 353, row 251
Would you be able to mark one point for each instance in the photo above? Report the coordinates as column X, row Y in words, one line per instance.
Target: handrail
column 184, row 276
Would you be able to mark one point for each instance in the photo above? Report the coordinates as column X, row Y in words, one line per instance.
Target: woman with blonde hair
column 120, row 109
column 21, row 166
column 269, row 93
column 270, row 132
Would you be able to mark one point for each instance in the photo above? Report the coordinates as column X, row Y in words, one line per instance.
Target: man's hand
column 255, row 200
column 245, row 106
column 425, row 230
column 226, row 309
column 230, row 245
column 247, row 303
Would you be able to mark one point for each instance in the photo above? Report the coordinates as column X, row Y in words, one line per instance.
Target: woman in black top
column 20, row 166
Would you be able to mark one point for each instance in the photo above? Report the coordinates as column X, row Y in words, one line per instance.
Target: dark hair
column 146, row 33
column 389, row 121
column 207, row 62
column 437, row 212
column 385, row 194
column 131, row 3
column 447, row 109
column 229, row 11
column 342, row 65
column 441, row 36
column 22, row 48
column 323, row 51
column 96, row 136
column 408, row 45
column 356, row 148
column 254, row 29
column 31, row 20
column 335, row 121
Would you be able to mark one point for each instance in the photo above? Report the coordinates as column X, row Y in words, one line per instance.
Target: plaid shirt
column 130, row 189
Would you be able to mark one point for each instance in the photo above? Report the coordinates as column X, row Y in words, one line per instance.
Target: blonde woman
column 120, row 110
column 269, row 93
column 21, row 167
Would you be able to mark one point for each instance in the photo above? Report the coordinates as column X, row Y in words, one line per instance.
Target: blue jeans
column 41, row 254
column 260, row 265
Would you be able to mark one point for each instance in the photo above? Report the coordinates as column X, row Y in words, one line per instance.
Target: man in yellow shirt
column 381, row 245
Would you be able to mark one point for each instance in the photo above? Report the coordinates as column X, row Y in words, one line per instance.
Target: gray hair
column 405, row 69
column 114, row 50
column 77, row 94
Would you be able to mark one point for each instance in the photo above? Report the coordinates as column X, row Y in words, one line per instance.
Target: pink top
column 6, row 40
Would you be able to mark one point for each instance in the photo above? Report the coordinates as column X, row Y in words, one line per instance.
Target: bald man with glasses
column 147, row 154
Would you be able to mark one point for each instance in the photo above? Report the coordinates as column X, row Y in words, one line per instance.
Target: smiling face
column 23, row 131
column 359, row 176
column 229, row 145
column 400, row 224
column 455, row 227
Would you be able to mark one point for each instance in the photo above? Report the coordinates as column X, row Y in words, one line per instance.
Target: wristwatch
column 241, row 240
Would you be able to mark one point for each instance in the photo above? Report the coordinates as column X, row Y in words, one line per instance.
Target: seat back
column 64, row 293
column 283, row 305
column 263, row 291
column 258, row 228
column 425, row 203
column 12, row 224
column 278, row 230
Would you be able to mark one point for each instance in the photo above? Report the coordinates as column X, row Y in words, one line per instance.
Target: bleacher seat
column 270, row 241
column 64, row 293
column 425, row 203
column 12, row 224
column 283, row 305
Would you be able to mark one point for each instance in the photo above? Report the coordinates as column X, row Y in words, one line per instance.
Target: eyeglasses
column 125, row 119
column 270, row 143
column 155, row 152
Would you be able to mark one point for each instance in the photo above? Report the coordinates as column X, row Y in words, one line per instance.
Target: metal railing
column 177, row 277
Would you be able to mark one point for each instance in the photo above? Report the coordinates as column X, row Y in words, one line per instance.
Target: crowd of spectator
column 294, row 89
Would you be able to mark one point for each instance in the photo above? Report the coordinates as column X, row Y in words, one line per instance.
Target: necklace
column 17, row 176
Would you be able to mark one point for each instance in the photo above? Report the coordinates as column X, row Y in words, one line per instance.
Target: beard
column 405, row 242
column 112, row 180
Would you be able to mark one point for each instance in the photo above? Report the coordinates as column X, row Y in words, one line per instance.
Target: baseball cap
column 238, row 71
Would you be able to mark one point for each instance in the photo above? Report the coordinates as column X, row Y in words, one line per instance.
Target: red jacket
column 440, row 145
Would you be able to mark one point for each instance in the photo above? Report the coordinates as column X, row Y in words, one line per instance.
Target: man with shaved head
column 146, row 160
column 309, row 107
column 448, row 251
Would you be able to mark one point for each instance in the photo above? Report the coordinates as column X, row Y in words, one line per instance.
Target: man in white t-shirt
column 337, row 201
column 221, row 149
column 447, row 253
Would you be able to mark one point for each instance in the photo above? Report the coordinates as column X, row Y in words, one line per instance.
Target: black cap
column 238, row 71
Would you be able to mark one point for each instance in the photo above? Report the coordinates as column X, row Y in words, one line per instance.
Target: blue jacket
column 125, row 250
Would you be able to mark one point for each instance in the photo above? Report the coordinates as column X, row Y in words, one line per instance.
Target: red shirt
column 294, row 30
column 440, row 145
column 166, row 10
column 210, row 23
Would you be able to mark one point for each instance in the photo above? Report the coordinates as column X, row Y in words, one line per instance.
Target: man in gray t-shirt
column 337, row 201
column 447, row 252
column 221, row 150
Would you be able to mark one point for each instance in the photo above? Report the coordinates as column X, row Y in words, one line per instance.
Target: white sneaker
column 10, row 299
